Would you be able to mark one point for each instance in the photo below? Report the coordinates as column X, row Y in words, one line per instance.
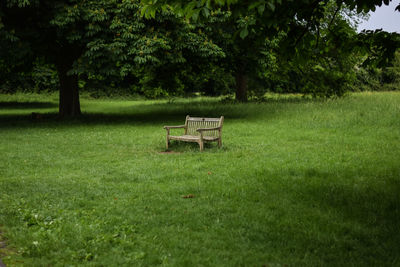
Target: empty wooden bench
column 198, row 130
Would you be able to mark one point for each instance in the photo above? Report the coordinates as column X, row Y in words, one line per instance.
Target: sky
column 384, row 17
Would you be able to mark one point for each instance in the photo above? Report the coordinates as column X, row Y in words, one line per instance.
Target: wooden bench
column 198, row 130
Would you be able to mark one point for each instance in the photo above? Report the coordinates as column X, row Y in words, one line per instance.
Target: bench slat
column 204, row 119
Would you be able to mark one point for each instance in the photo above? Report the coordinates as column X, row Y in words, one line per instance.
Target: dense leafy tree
column 107, row 37
column 386, row 78
column 254, row 23
column 324, row 60
column 307, row 46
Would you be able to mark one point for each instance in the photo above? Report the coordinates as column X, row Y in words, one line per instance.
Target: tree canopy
column 97, row 37
column 167, row 45
column 255, row 23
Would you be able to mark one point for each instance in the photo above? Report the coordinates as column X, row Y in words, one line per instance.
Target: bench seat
column 192, row 138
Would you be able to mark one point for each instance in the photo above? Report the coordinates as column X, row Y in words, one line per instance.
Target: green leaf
column 254, row 5
column 206, row 12
column 195, row 14
column 261, row 9
column 244, row 33
column 271, row 6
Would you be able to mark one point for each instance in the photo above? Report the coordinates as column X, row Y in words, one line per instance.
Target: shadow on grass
column 357, row 219
column 157, row 114
column 27, row 105
column 370, row 207
column 180, row 147
column 170, row 113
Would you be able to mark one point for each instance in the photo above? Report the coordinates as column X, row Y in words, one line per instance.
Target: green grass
column 298, row 182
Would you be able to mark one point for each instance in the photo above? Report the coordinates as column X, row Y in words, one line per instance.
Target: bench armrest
column 174, row 127
column 208, row 129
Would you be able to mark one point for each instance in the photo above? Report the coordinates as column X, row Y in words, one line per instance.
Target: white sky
column 384, row 17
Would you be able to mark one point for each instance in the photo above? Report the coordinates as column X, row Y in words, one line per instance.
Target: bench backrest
column 194, row 123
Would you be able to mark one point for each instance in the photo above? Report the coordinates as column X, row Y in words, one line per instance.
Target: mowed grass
column 298, row 182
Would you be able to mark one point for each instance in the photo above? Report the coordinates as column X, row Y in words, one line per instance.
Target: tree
column 255, row 22
column 324, row 60
column 105, row 37
column 57, row 31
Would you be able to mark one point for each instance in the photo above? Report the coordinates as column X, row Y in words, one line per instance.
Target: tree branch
column 313, row 6
column 334, row 15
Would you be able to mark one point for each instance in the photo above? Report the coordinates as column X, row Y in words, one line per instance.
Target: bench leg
column 219, row 143
column 167, row 143
column 201, row 144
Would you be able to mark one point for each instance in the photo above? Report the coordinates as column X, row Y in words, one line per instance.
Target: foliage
column 326, row 67
column 41, row 77
column 379, row 79
column 108, row 46
column 325, row 57
column 106, row 39
column 194, row 8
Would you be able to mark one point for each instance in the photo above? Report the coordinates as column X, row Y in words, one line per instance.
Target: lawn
column 298, row 182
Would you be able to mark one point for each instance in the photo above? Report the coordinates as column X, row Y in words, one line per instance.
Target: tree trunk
column 241, row 85
column 69, row 105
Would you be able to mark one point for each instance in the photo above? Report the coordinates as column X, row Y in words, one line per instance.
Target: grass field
column 298, row 182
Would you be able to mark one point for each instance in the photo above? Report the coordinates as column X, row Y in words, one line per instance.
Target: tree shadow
column 181, row 147
column 167, row 113
column 26, row 105
column 157, row 113
column 370, row 204
column 358, row 216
